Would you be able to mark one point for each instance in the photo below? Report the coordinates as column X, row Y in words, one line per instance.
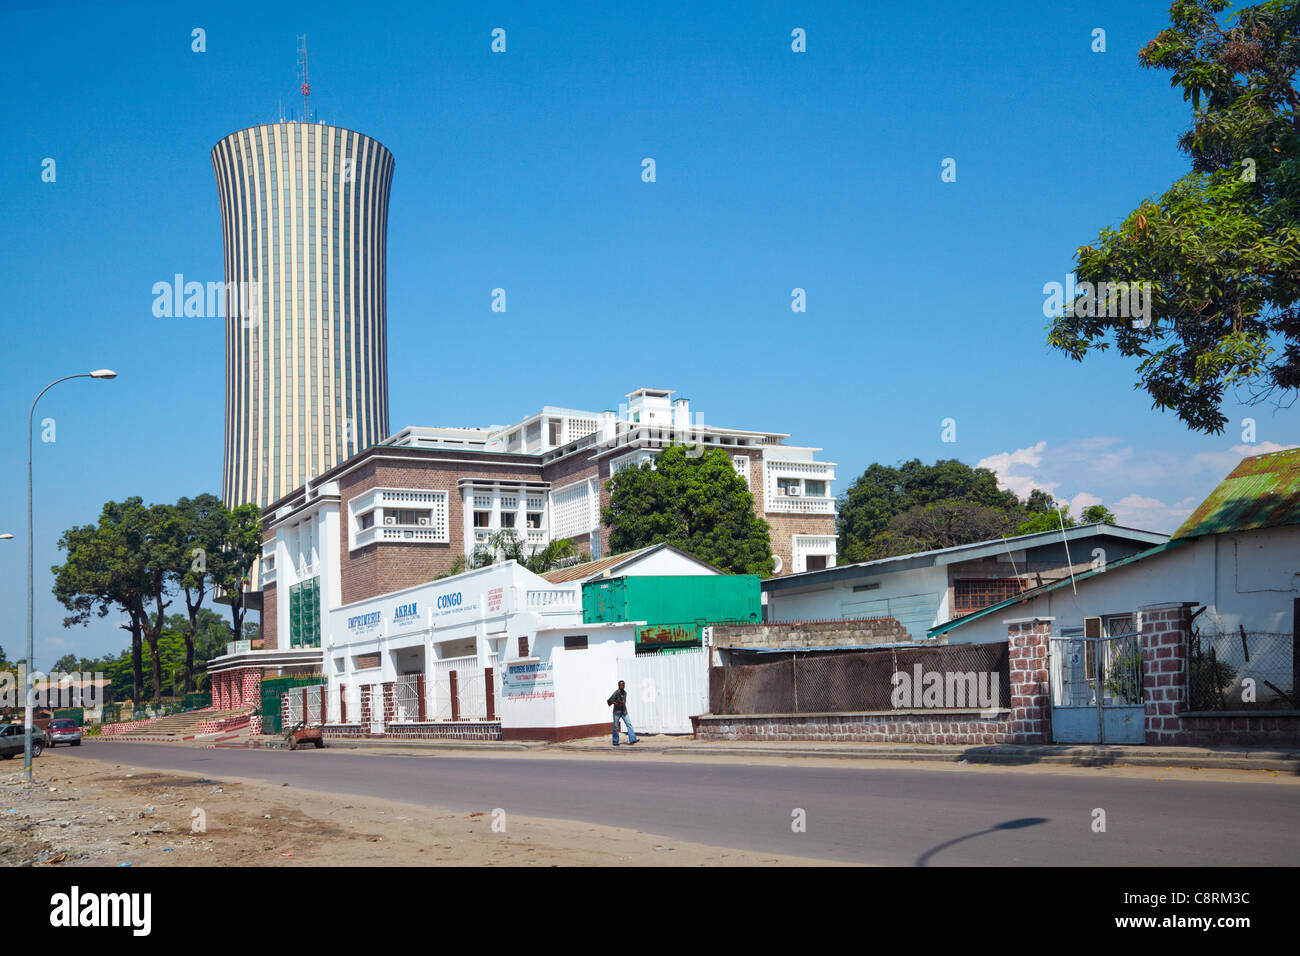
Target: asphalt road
column 898, row 816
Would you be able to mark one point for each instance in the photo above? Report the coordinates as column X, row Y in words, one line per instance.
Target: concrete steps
column 177, row 726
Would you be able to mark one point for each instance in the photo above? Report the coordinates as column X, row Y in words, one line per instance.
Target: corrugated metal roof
column 1026, row 596
column 578, row 572
column 1263, row 491
column 964, row 552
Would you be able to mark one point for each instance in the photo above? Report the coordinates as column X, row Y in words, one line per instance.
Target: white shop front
column 470, row 656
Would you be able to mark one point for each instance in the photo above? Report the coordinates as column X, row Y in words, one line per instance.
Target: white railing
column 803, row 469
column 470, row 690
column 421, row 534
column 800, row 504
column 406, row 699
column 554, row 598
column 293, row 712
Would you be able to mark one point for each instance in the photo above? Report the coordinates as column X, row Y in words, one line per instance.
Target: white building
column 929, row 588
column 525, row 665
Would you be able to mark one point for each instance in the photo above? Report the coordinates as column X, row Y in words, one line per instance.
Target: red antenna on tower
column 302, row 75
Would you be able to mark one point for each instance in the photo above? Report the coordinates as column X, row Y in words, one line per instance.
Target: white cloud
column 1082, row 501
column 1152, row 514
column 1137, row 484
column 1222, row 462
column 1012, row 469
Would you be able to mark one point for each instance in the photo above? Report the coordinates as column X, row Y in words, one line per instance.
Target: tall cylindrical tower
column 304, row 221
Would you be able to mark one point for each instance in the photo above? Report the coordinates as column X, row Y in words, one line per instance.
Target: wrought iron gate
column 1097, row 689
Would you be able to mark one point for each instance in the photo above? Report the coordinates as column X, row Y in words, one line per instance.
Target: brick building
column 402, row 512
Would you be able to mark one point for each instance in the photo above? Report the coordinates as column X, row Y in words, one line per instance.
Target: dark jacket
column 619, row 700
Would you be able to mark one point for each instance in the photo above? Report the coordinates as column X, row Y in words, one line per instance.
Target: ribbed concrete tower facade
column 304, row 224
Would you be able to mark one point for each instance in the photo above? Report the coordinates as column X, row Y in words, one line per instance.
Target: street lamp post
column 31, row 583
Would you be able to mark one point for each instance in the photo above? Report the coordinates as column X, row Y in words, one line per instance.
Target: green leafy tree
column 1221, row 247
column 882, row 493
column 889, row 511
column 506, row 545
column 198, row 533
column 1047, row 521
column 230, row 566
column 941, row 524
column 103, row 572
column 66, row 663
column 1097, row 514
column 698, row 504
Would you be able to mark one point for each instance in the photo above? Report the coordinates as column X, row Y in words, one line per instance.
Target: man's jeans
column 631, row 734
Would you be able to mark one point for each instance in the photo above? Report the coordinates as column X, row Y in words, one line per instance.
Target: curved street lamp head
column 103, row 373
column 6, row 536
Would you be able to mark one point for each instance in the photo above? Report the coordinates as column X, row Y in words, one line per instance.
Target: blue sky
column 521, row 170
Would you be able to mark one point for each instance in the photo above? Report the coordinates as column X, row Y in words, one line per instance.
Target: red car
column 63, row 731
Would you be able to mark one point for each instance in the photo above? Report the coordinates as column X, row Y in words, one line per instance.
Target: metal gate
column 1097, row 689
column 376, row 708
column 664, row 690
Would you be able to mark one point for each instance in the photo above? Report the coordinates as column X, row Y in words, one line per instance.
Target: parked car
column 11, row 741
column 64, row 731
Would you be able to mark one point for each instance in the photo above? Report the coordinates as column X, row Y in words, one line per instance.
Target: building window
column 364, row 662
column 507, row 519
column 482, row 519
column 575, row 643
column 534, row 519
column 523, row 647
column 553, row 433
column 304, row 614
column 814, row 489
column 814, row 562
column 973, row 594
column 787, row 486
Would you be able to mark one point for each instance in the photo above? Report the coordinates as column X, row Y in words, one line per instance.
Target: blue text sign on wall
column 406, row 614
column 528, row 682
column 364, row 623
column 447, row 601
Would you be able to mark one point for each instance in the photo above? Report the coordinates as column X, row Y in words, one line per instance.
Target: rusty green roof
column 1263, row 491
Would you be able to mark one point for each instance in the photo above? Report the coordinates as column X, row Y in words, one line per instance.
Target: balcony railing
column 411, row 534
column 801, row 504
column 552, row 599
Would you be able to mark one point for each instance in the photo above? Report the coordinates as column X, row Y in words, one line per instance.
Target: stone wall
column 1165, row 632
column 1025, row 722
column 866, row 631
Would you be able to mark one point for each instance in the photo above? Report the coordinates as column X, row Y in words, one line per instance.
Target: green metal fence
column 272, row 689
column 76, row 714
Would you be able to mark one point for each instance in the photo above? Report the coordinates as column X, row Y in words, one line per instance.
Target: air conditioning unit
column 424, row 521
column 794, row 491
column 389, row 519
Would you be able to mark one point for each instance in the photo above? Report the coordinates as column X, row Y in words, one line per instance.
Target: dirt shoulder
column 87, row 812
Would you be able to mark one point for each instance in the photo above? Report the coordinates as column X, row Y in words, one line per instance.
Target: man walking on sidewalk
column 619, row 700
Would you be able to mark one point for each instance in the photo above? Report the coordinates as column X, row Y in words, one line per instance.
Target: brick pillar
column 1164, row 671
column 390, row 704
column 365, row 709
column 252, row 687
column 324, row 713
column 489, row 694
column 455, row 698
column 343, row 703
column 419, row 689
column 1027, row 643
